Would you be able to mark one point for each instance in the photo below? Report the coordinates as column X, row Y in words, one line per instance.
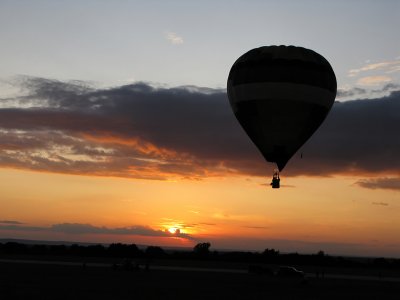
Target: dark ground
column 38, row 281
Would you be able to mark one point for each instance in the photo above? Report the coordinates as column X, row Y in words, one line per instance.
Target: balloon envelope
column 281, row 95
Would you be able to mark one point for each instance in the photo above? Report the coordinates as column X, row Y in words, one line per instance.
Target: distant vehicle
column 290, row 272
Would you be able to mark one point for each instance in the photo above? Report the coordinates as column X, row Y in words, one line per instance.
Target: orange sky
column 231, row 212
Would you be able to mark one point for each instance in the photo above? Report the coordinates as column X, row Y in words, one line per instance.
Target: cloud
column 173, row 38
column 357, row 92
column 347, row 93
column 129, row 131
column 357, row 137
column 208, row 224
column 380, row 203
column 78, row 228
column 380, row 183
column 139, row 131
column 256, row 227
column 373, row 80
column 8, row 222
column 387, row 66
column 17, row 227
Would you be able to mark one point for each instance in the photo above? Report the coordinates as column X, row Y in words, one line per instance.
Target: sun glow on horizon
column 230, row 212
column 175, row 230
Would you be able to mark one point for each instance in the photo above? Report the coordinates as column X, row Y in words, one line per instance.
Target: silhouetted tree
column 133, row 250
column 270, row 255
column 202, row 249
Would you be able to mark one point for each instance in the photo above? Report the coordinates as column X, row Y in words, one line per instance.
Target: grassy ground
column 36, row 281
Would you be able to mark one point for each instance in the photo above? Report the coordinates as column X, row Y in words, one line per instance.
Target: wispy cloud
column 208, row 224
column 380, row 203
column 9, row 222
column 256, row 227
column 174, row 38
column 373, row 80
column 386, row 66
column 392, row 183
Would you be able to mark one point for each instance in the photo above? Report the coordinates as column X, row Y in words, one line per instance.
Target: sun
column 174, row 230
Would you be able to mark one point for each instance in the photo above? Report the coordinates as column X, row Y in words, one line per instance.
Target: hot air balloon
column 280, row 95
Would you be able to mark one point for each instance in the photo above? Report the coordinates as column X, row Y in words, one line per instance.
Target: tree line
column 201, row 251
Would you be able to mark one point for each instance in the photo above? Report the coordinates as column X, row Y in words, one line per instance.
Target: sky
column 115, row 126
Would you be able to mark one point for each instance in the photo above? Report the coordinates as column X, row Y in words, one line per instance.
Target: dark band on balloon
column 279, row 90
column 291, row 72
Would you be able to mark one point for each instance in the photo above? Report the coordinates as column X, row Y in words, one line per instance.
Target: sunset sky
column 115, row 126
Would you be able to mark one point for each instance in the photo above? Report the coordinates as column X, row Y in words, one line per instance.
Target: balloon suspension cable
column 276, row 179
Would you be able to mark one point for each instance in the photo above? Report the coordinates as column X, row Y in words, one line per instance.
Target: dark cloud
column 357, row 92
column 8, row 222
column 78, row 228
column 358, row 136
column 18, row 227
column 140, row 131
column 380, row 183
column 343, row 93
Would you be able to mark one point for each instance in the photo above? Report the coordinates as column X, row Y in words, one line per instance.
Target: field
column 53, row 281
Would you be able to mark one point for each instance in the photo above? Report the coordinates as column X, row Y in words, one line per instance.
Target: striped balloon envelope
column 280, row 96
